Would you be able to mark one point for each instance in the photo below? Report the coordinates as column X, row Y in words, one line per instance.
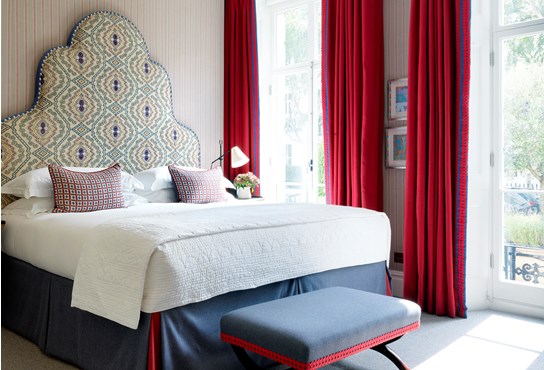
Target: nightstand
column 255, row 198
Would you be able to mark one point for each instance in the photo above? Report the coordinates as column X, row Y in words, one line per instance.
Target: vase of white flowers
column 245, row 184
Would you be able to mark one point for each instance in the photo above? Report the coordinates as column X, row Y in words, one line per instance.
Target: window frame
column 504, row 292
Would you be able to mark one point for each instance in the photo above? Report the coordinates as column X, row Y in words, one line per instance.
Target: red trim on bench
column 154, row 346
column 321, row 361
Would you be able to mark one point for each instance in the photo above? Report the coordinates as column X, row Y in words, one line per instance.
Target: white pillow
column 155, row 178
column 159, row 178
column 133, row 199
column 167, row 195
column 35, row 205
column 29, row 207
column 37, row 183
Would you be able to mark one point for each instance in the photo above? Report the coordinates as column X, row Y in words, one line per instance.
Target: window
column 289, row 34
column 518, row 125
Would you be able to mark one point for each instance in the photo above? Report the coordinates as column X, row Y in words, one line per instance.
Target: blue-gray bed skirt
column 36, row 305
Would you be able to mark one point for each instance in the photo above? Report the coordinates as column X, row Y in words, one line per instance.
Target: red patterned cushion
column 86, row 191
column 198, row 186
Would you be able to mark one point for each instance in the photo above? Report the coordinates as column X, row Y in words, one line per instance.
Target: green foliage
column 526, row 50
column 321, row 170
column 296, row 85
column 296, row 36
column 516, row 11
column 524, row 99
column 524, row 230
column 524, row 120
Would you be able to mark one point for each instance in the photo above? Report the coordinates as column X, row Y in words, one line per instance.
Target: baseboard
column 397, row 282
column 517, row 308
column 397, row 286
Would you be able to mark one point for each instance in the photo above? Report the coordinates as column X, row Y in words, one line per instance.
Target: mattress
column 156, row 257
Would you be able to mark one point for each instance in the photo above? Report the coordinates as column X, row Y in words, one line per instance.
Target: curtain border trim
column 462, row 158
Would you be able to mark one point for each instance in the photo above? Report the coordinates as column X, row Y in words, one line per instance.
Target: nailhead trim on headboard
column 99, row 100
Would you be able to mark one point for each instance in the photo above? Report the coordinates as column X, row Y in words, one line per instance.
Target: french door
column 518, row 136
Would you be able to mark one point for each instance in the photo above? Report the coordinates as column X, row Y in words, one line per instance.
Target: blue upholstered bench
column 311, row 330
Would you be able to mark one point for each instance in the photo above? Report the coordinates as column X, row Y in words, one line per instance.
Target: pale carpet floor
column 486, row 340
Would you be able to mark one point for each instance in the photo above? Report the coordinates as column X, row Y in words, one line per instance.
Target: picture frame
column 398, row 99
column 395, row 144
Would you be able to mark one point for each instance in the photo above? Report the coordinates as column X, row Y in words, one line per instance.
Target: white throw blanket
column 156, row 263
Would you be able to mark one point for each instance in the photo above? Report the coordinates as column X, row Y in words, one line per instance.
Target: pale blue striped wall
column 396, row 24
column 184, row 36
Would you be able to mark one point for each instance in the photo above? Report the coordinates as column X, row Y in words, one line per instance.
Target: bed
column 145, row 286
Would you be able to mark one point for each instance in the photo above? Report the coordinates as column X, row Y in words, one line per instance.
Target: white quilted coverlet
column 156, row 263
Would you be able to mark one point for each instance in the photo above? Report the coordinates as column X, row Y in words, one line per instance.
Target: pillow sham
column 37, row 183
column 133, row 199
column 29, row 207
column 198, row 186
column 35, row 205
column 167, row 195
column 86, row 191
column 159, row 178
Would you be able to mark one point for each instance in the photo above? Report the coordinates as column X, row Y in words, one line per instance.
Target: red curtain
column 437, row 143
column 241, row 118
column 353, row 80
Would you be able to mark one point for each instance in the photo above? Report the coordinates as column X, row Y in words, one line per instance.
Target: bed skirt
column 36, row 305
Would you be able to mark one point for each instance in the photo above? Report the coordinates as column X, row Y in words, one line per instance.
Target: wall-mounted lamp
column 237, row 157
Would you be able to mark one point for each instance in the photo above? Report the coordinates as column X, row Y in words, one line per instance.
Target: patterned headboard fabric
column 99, row 100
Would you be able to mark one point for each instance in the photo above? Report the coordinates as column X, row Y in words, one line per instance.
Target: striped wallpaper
column 396, row 24
column 186, row 37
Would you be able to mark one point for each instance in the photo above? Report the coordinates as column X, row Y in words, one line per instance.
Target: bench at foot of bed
column 312, row 330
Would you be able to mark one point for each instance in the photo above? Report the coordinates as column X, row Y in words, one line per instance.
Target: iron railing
column 531, row 260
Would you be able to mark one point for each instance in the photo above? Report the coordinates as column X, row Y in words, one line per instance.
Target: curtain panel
column 437, row 152
column 353, row 101
column 241, row 118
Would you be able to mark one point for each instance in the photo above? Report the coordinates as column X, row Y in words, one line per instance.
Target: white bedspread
column 156, row 263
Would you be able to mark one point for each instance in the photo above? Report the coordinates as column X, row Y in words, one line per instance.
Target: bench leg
column 392, row 356
column 382, row 348
column 243, row 357
column 248, row 363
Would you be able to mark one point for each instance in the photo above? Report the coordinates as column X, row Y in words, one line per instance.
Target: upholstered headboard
column 99, row 100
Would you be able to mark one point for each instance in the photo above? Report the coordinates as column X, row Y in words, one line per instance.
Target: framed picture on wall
column 395, row 144
column 398, row 99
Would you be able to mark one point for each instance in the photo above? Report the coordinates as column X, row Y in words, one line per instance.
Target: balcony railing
column 524, row 262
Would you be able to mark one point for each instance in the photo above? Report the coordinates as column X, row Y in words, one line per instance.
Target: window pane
column 292, row 37
column 295, row 128
column 523, row 158
column 319, row 140
column 317, row 48
column 523, row 111
column 517, row 11
column 523, row 237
